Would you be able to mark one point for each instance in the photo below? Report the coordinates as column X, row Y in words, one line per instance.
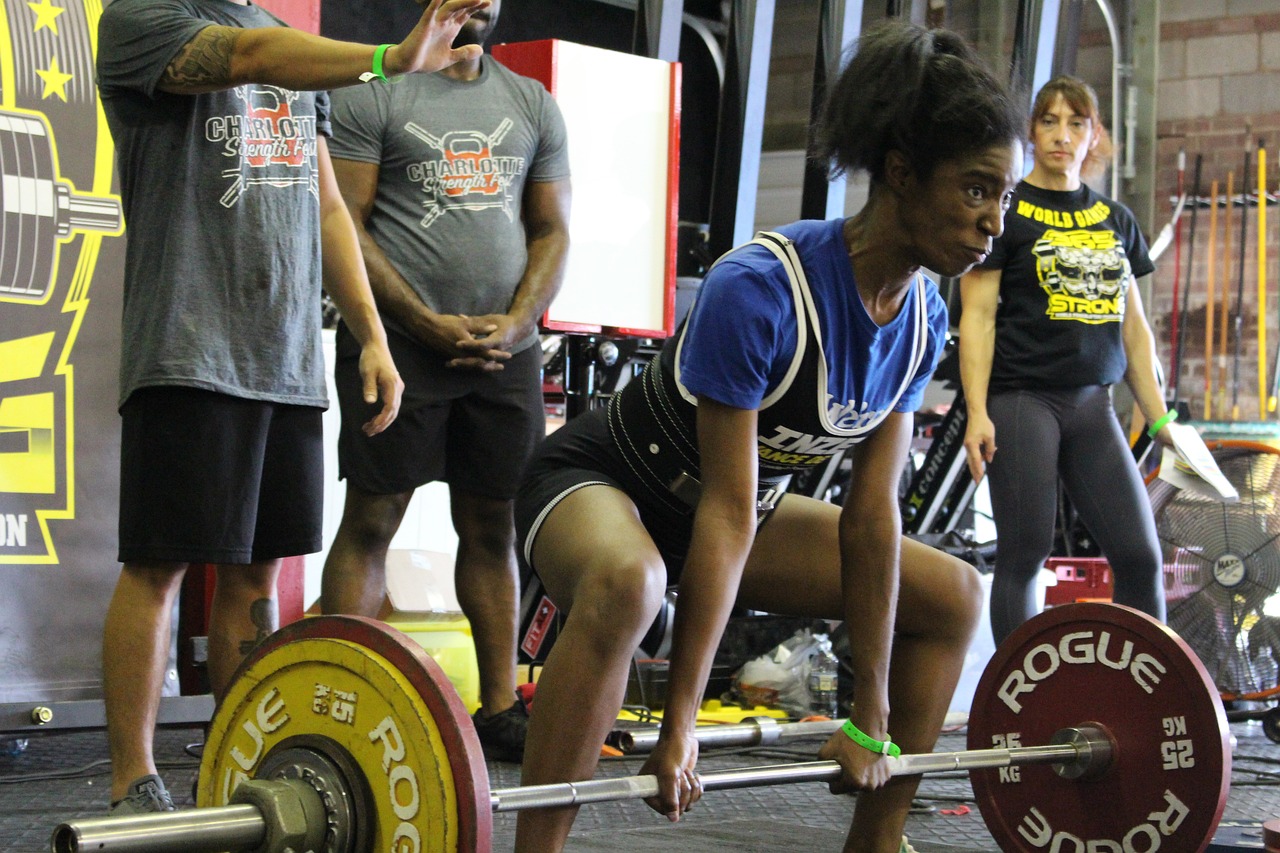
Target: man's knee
column 160, row 579
column 963, row 602
column 970, row 595
column 370, row 520
column 485, row 525
column 254, row 580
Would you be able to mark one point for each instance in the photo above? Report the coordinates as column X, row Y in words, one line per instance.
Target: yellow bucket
column 448, row 640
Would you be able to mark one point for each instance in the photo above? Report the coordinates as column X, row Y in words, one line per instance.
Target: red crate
column 1079, row 579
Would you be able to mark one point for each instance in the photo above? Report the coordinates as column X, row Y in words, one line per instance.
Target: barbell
column 752, row 731
column 41, row 209
column 1093, row 727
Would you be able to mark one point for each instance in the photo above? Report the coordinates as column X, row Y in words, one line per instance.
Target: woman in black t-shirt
column 1050, row 321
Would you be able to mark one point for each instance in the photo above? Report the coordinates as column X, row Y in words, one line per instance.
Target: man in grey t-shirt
column 219, row 124
column 458, row 182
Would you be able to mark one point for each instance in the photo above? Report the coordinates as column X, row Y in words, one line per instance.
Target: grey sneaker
column 145, row 795
column 502, row 735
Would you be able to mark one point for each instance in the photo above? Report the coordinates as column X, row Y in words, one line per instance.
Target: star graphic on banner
column 46, row 15
column 55, row 81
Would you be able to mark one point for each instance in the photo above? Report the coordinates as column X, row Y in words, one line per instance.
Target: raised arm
column 347, row 284
column 221, row 57
column 1141, row 372
column 723, row 528
column 979, row 297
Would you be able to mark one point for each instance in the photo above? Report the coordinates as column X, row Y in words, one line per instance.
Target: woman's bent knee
column 621, row 599
column 949, row 604
column 968, row 594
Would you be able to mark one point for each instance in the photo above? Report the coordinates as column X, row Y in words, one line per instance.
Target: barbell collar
column 762, row 731
column 1084, row 746
column 1096, row 749
column 238, row 827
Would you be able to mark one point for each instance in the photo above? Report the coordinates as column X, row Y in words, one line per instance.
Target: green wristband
column 1169, row 417
column 377, row 73
column 882, row 747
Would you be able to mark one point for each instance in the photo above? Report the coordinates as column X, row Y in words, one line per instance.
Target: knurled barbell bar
column 753, row 731
column 265, row 810
column 346, row 719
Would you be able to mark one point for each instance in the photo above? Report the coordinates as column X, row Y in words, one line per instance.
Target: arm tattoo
column 205, row 60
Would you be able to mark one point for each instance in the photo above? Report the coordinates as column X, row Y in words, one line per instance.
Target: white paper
column 1190, row 465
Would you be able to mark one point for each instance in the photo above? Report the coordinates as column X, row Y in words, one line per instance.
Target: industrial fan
column 1222, row 570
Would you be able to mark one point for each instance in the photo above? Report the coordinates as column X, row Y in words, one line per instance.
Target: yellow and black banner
column 61, row 267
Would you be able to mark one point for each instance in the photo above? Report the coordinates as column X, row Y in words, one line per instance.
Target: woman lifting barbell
column 801, row 344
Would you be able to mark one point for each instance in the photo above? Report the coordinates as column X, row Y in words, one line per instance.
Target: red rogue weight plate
column 1114, row 666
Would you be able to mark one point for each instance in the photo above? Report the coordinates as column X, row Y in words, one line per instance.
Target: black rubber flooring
column 63, row 776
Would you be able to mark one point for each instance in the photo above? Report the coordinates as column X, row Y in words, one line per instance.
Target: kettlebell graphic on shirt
column 464, row 171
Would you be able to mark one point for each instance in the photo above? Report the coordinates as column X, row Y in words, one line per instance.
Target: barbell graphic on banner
column 38, row 209
column 1095, row 727
column 58, row 215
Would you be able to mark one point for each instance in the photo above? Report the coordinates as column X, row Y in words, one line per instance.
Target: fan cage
column 1222, row 569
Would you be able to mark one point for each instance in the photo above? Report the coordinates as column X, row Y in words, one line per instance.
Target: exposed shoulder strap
column 919, row 340
column 785, row 251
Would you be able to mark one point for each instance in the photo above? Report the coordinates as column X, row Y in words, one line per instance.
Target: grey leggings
column 1072, row 433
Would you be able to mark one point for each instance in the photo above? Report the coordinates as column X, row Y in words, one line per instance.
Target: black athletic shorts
column 210, row 478
column 470, row 429
column 579, row 454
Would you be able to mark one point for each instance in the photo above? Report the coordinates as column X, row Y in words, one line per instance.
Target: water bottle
column 824, row 673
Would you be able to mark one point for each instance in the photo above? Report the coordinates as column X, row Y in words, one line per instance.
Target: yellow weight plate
column 366, row 690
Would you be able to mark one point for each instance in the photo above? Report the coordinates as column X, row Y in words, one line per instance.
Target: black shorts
column 472, row 430
column 580, row 454
column 210, row 478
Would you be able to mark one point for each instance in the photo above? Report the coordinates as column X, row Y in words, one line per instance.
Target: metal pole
column 838, row 25
column 579, row 374
column 194, row 831
column 562, row 794
column 1113, row 29
column 1076, row 752
column 740, row 132
column 657, row 32
column 757, row 731
column 1068, row 45
column 760, row 732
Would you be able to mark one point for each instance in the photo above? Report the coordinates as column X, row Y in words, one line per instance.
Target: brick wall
column 1219, row 85
column 1219, row 89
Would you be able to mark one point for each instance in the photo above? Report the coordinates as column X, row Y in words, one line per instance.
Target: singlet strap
column 806, row 317
column 806, row 312
column 785, row 251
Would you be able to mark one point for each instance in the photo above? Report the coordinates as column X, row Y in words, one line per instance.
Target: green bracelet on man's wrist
column 881, row 747
column 377, row 71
